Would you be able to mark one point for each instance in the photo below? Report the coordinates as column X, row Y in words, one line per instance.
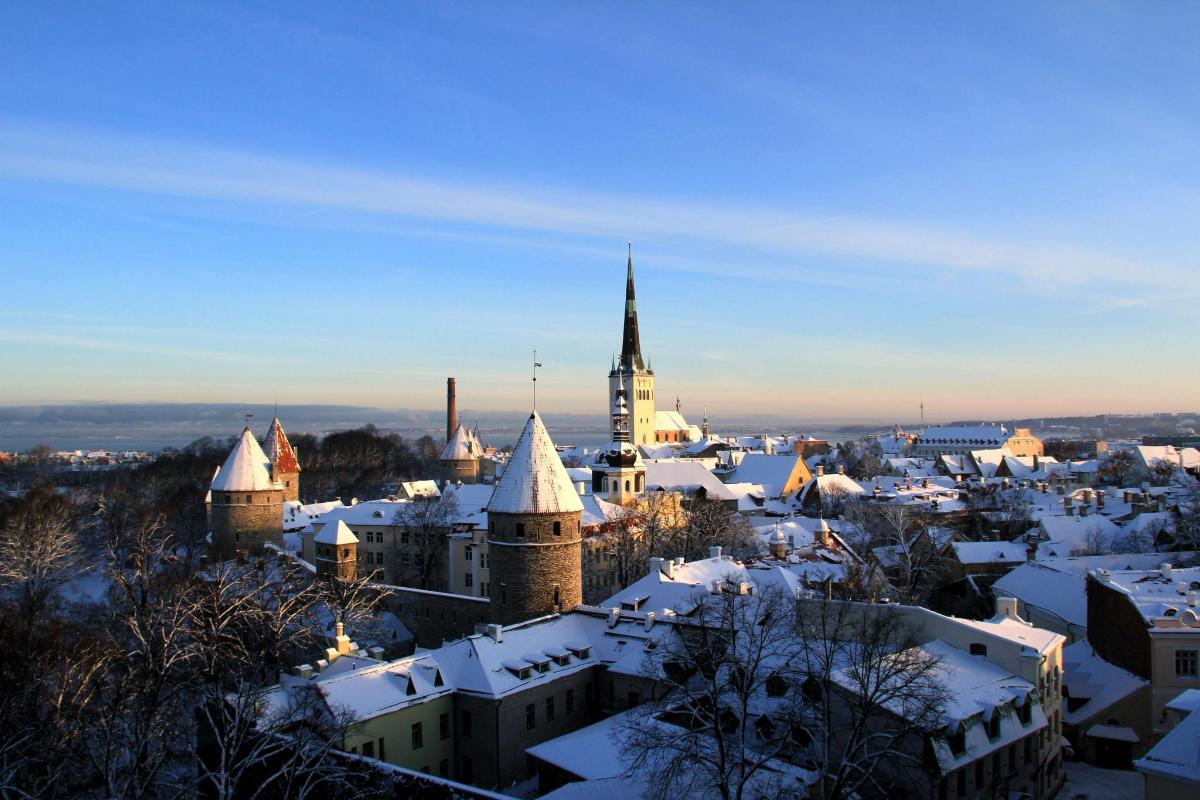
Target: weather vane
column 536, row 364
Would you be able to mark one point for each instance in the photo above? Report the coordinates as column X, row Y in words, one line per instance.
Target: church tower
column 631, row 373
column 534, row 540
column 619, row 474
column 285, row 467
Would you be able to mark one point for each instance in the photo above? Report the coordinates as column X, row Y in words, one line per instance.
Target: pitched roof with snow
column 278, row 449
column 335, row 532
column 989, row 552
column 1176, row 755
column 993, row 435
column 534, row 481
column 247, row 469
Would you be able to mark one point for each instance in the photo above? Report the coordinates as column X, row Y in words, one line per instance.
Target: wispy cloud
column 795, row 237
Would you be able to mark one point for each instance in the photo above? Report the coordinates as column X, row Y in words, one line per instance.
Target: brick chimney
column 451, row 408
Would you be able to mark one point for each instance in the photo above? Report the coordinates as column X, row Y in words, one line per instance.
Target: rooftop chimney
column 714, row 551
column 649, row 620
column 451, row 408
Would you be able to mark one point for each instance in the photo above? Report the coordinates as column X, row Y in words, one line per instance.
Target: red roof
column 279, row 450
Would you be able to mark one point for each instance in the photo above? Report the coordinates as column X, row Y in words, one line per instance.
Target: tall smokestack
column 451, row 408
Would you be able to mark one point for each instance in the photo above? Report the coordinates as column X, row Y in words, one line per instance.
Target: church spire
column 631, row 347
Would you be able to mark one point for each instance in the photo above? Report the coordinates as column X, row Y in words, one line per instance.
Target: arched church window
column 627, row 486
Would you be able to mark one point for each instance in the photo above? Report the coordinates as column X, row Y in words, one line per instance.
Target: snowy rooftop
column 335, row 532
column 535, row 481
column 675, row 586
column 382, row 688
column 686, row 477
column 1177, row 755
column 1163, row 597
column 1087, row 676
column 247, row 469
column 994, row 435
column 989, row 552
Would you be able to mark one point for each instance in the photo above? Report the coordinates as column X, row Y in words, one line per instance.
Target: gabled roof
column 534, row 480
column 279, row 450
column 247, row 469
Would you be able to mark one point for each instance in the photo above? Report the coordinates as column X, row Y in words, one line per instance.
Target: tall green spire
column 631, row 346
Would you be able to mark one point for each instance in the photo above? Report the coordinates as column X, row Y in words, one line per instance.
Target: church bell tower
column 631, row 372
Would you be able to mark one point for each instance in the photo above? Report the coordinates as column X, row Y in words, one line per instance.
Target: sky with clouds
column 834, row 211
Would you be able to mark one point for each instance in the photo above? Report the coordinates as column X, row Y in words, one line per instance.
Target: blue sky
column 834, row 210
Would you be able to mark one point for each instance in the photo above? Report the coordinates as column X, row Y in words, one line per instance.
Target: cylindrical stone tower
column 246, row 509
column 534, row 542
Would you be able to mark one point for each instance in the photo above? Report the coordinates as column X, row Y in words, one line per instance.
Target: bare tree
column 39, row 552
column 722, row 722
column 1117, row 467
column 873, row 697
column 752, row 690
column 425, row 523
column 1096, row 542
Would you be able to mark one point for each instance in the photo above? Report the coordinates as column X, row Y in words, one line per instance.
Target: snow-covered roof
column 678, row 591
column 1087, row 676
column 1161, row 596
column 665, row 420
column 535, row 481
column 335, row 532
column 381, row 688
column 989, row 552
column 279, row 450
column 779, row 474
column 1177, row 754
column 984, row 435
column 686, row 477
column 459, row 446
column 247, row 469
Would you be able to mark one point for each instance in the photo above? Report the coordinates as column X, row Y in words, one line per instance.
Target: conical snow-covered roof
column 279, row 450
column 534, row 480
column 247, row 469
column 459, row 446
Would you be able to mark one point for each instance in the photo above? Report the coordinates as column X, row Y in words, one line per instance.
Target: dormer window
column 1025, row 711
column 957, row 739
column 579, row 649
column 978, row 649
column 993, row 725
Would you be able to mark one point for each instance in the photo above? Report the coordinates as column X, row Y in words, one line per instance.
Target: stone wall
column 436, row 617
column 534, row 571
column 465, row 471
column 246, row 526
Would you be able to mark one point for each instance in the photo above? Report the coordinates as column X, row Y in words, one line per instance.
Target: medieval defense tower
column 285, row 466
column 631, row 373
column 246, row 505
column 336, row 551
column 534, row 541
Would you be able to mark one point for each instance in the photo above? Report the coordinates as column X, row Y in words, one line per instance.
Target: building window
column 467, row 552
column 418, row 738
column 530, row 717
column 464, row 723
column 247, row 498
column 469, row 580
column 404, row 536
column 979, row 774
column 557, row 597
column 520, row 530
column 978, row 649
column 1185, row 664
column 587, row 693
column 382, row 750
column 483, row 559
column 558, row 529
column 632, row 699
column 570, row 700
column 444, row 726
column 549, row 709
column 468, row 773
column 369, row 749
column 994, row 726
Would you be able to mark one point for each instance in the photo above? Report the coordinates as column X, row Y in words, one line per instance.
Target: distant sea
column 154, row 426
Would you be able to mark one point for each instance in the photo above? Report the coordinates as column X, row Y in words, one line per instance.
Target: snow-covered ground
column 1085, row 782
